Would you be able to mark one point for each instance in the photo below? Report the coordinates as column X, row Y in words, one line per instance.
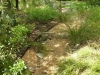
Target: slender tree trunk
column 17, row 4
column 0, row 10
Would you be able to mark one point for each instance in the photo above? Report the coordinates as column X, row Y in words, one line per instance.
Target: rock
column 40, row 55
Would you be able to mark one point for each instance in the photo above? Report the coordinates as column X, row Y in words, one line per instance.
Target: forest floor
column 56, row 48
column 56, row 45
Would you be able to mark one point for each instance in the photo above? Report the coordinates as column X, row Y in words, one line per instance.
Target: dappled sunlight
column 50, row 37
column 75, row 55
column 45, row 63
column 61, row 57
column 81, row 52
column 51, row 63
column 57, row 45
column 84, row 61
column 87, row 53
column 58, row 28
column 56, row 48
column 53, row 68
column 28, row 60
column 49, row 57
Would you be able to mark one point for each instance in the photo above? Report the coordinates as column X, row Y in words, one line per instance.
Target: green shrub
column 41, row 14
column 8, row 63
column 89, row 29
column 18, row 33
column 12, row 38
column 83, row 34
column 11, row 42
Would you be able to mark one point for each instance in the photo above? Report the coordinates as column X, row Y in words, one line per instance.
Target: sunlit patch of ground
column 56, row 48
column 84, row 61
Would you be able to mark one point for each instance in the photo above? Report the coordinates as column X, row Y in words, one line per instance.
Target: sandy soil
column 57, row 50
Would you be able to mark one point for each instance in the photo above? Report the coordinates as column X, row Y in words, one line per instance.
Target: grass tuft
column 86, row 62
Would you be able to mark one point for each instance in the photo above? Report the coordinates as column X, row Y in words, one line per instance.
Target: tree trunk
column 17, row 4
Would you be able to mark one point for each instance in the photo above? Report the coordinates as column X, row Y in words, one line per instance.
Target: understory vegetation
column 86, row 23
column 42, row 14
column 20, row 20
column 86, row 28
column 85, row 61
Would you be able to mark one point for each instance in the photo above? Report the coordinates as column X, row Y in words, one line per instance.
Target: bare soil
column 56, row 47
